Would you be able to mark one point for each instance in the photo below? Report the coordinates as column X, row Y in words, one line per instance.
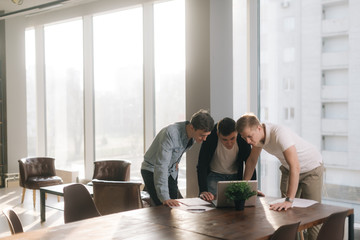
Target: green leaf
column 239, row 191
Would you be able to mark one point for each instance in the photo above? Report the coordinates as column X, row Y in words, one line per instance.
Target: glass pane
column 311, row 73
column 64, row 94
column 169, row 35
column 31, row 91
column 169, row 24
column 118, row 82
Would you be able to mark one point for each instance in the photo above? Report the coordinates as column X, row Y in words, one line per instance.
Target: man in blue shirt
column 159, row 168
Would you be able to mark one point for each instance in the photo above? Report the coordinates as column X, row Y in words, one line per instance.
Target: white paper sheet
column 298, row 202
column 193, row 202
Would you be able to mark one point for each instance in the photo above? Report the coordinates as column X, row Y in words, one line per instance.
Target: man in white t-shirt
column 301, row 162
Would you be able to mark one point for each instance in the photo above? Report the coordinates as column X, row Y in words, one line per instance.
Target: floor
column 29, row 216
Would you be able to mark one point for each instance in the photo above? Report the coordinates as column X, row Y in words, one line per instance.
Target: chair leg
column 302, row 235
column 23, row 195
column 34, row 197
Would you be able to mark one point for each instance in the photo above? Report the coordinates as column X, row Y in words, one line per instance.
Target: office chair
column 13, row 221
column 78, row 203
column 286, row 232
column 116, row 196
column 333, row 227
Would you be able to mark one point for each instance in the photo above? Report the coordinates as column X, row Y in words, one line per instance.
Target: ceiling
column 11, row 8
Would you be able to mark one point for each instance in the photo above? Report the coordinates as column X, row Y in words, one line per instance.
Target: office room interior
column 83, row 80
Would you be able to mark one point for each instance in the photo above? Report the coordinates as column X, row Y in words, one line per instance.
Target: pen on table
column 196, row 209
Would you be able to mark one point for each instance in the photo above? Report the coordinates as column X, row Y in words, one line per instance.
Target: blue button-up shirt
column 163, row 155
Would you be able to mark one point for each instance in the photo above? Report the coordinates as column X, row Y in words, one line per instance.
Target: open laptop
column 222, row 201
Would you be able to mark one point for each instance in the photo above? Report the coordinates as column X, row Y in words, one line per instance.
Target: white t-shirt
column 224, row 160
column 279, row 138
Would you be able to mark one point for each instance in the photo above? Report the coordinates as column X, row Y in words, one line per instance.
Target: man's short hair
column 202, row 120
column 247, row 120
column 226, row 126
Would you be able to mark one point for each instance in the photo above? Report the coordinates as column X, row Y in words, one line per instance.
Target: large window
column 118, row 86
column 64, row 94
column 94, row 66
column 308, row 81
column 169, row 34
column 169, row 37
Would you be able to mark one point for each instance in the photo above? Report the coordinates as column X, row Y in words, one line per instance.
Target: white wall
column 16, row 92
column 221, row 59
column 209, row 69
column 197, row 75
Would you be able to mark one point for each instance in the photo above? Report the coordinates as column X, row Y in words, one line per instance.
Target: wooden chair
column 333, row 227
column 286, row 232
column 116, row 196
column 36, row 172
column 13, row 221
column 78, row 203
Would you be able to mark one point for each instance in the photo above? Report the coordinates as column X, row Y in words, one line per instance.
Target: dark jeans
column 150, row 186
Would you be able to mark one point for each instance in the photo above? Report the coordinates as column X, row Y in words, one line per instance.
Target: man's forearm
column 293, row 183
column 249, row 171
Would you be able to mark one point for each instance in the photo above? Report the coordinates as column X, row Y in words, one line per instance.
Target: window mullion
column 149, row 96
column 89, row 130
column 40, row 90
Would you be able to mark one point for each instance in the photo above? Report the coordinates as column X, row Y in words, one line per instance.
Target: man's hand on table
column 207, row 196
column 281, row 206
column 171, row 203
column 260, row 194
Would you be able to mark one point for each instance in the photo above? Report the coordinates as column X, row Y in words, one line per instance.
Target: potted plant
column 239, row 192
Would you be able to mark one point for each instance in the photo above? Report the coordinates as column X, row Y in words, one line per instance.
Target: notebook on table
column 222, row 201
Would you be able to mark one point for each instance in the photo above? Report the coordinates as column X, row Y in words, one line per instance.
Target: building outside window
column 313, row 56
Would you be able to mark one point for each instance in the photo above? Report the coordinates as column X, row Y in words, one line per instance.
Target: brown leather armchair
column 112, row 170
column 116, row 196
column 36, row 172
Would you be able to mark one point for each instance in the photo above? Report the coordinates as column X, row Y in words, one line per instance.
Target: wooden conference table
column 165, row 223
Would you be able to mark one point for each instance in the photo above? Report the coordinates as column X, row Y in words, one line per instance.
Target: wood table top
column 162, row 222
column 257, row 222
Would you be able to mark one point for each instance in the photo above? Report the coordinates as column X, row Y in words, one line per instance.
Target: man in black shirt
column 221, row 158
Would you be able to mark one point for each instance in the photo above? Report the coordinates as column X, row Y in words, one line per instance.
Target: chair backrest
column 286, row 232
column 333, row 227
column 36, row 166
column 116, row 196
column 112, row 170
column 13, row 220
column 78, row 203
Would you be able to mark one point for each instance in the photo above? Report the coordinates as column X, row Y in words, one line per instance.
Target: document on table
column 193, row 201
column 298, row 202
column 194, row 205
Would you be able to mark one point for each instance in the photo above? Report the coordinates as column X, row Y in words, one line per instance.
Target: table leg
column 351, row 227
column 42, row 205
